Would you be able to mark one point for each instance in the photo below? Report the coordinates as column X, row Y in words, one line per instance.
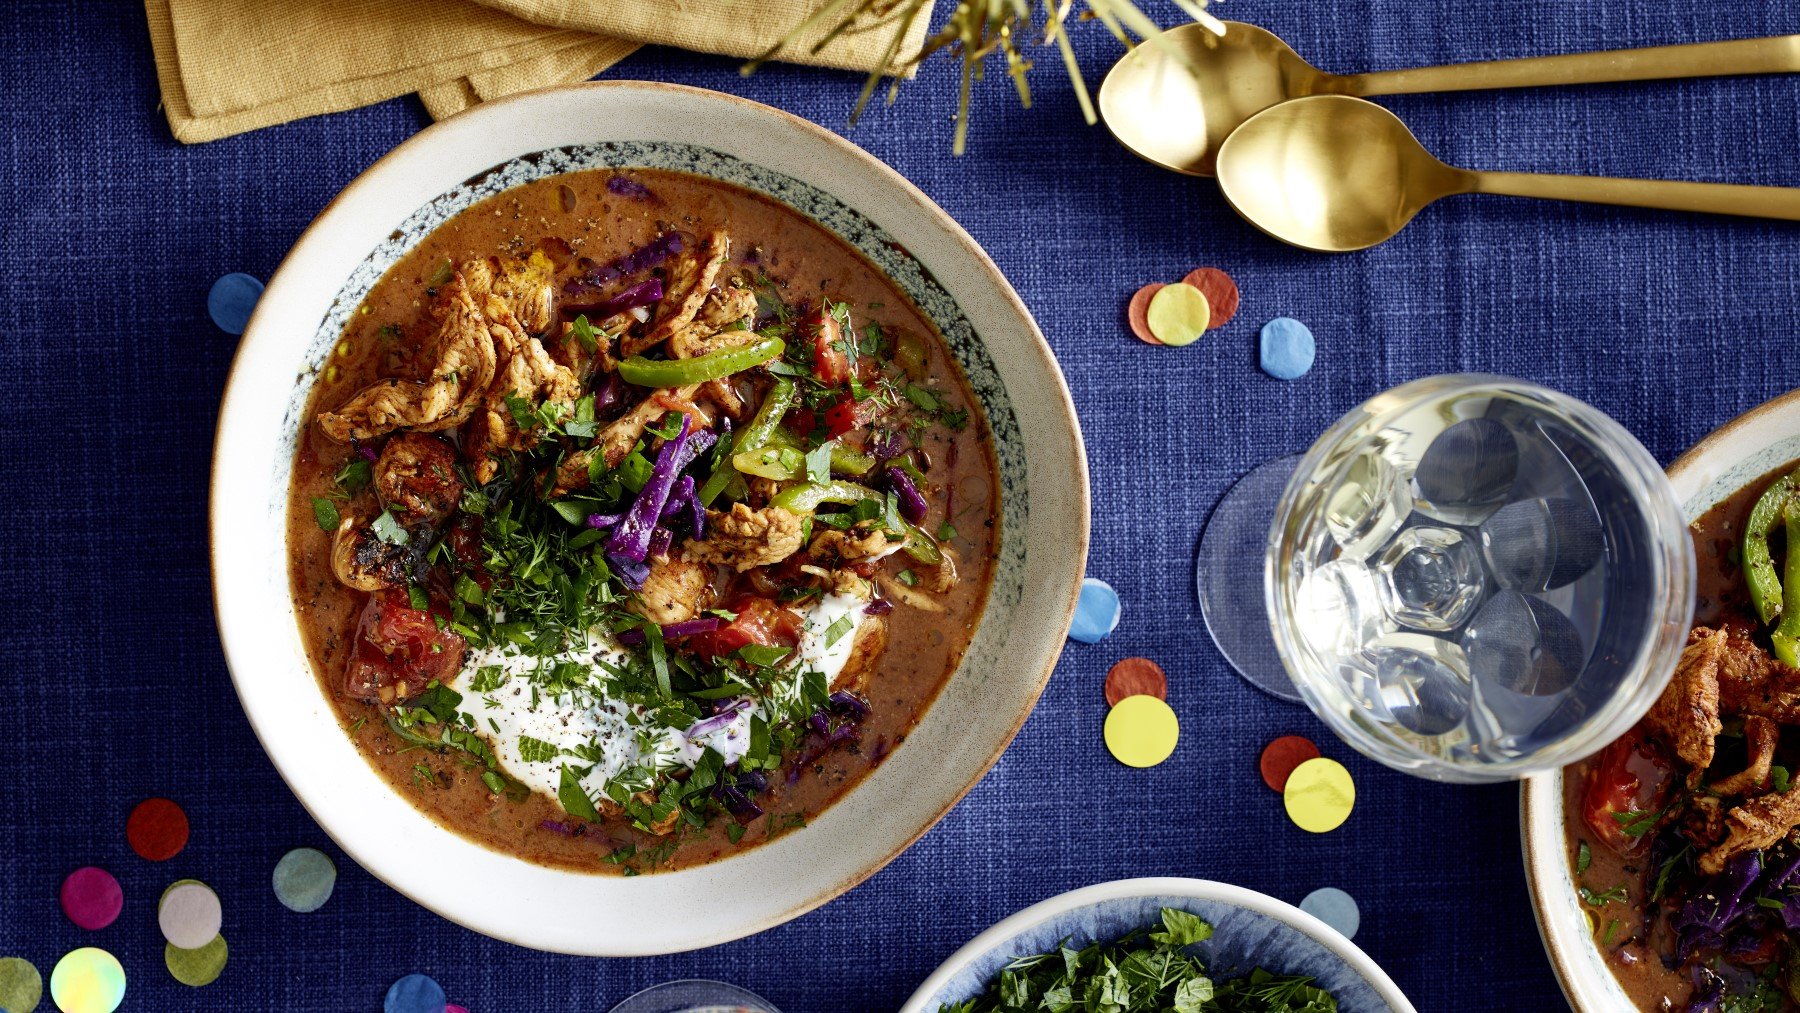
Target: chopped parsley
column 389, row 530
column 1149, row 970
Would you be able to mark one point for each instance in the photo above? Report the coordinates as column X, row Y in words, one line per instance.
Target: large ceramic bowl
column 386, row 211
column 1249, row 930
column 1736, row 454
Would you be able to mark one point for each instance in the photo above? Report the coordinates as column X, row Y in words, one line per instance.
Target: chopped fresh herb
column 734, row 832
column 818, row 463
column 1770, row 903
column 835, row 632
column 536, row 750
column 583, row 333
column 574, row 798
column 1637, row 822
column 907, row 577
column 1147, row 971
column 761, row 656
column 1583, row 858
column 495, row 783
column 1780, row 778
column 1602, row 898
column 946, row 531
column 418, row 597
column 1612, row 926
column 389, row 530
column 325, row 512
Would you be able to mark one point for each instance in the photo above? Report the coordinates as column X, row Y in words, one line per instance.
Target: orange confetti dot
column 1137, row 314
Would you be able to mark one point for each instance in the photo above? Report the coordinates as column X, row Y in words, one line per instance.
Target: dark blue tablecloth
column 114, row 688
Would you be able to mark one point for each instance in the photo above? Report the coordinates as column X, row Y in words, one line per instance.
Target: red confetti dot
column 1220, row 291
column 157, row 829
column 1279, row 758
column 1135, row 313
column 91, row 897
column 1136, row 677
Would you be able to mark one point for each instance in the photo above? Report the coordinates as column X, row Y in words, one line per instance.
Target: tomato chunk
column 847, row 414
column 830, row 363
column 759, row 621
column 1628, row 782
column 399, row 650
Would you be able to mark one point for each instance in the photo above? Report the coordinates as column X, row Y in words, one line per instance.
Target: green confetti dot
column 196, row 967
column 304, row 879
column 21, row 986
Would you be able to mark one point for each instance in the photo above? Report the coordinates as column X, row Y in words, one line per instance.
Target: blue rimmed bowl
column 387, row 211
column 1250, row 930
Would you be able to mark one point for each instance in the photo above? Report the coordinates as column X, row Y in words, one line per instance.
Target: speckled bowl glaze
column 1734, row 455
column 1249, row 930
column 384, row 213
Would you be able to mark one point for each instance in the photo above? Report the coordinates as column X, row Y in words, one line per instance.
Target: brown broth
column 1633, row 955
column 923, row 648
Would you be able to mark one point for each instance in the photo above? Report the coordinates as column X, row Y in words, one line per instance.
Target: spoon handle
column 1776, row 55
column 1715, row 198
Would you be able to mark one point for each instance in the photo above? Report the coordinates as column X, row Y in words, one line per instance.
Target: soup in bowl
column 648, row 519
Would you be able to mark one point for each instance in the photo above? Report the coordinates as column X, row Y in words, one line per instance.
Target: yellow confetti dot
column 1178, row 314
column 1141, row 731
column 1319, row 795
column 88, row 980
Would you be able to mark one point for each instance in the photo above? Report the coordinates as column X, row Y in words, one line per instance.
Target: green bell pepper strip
column 845, row 461
column 922, row 547
column 771, row 461
column 810, row 496
column 752, row 437
column 1786, row 636
column 1759, row 567
column 701, row 368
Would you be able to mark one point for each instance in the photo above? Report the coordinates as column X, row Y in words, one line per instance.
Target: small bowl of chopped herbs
column 1188, row 945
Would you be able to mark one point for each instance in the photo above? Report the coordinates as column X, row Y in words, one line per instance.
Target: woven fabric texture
column 114, row 689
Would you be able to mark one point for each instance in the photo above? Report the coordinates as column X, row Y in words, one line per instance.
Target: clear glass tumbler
column 1474, row 578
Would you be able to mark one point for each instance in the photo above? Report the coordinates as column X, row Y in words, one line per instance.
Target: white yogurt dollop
column 521, row 709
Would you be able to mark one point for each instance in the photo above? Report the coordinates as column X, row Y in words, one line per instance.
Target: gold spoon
column 1174, row 99
column 1333, row 173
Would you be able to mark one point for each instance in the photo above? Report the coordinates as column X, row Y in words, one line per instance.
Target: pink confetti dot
column 91, row 897
column 454, row 1008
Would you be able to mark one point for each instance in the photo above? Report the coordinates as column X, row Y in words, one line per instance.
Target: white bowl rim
column 1153, row 886
column 1541, row 840
column 1061, row 608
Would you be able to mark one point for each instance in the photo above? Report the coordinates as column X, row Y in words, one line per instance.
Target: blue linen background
column 114, row 688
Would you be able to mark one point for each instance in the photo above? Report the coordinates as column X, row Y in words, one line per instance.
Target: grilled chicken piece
column 525, row 371
column 1753, row 826
column 690, row 279
column 726, row 308
column 365, row 562
column 619, row 436
column 1753, row 682
column 1686, row 716
column 940, row 578
column 1760, row 739
column 527, row 287
column 675, row 591
column 464, row 369
column 871, row 640
column 834, row 547
column 746, row 538
column 416, row 478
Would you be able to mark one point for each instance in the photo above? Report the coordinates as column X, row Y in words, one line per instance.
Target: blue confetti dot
column 1335, row 908
column 1096, row 614
column 1287, row 348
column 415, row 993
column 231, row 301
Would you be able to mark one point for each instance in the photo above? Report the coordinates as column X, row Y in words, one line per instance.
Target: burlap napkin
column 227, row 66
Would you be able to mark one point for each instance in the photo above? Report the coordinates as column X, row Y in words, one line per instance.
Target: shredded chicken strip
column 1686, row 716
column 684, row 292
column 1760, row 738
column 526, row 371
column 526, row 286
column 464, row 369
column 746, row 538
column 1753, row 826
column 1752, row 682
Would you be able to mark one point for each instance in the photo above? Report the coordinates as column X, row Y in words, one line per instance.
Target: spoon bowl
column 1175, row 98
column 1334, row 173
column 1330, row 173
